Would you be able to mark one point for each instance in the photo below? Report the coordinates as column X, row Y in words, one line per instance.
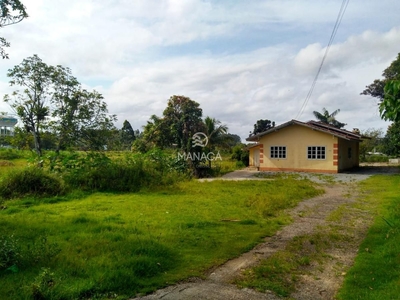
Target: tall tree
column 31, row 105
column 53, row 99
column 215, row 131
column 183, row 119
column 391, row 142
column 262, row 125
column 127, row 135
column 11, row 12
column 377, row 88
column 329, row 118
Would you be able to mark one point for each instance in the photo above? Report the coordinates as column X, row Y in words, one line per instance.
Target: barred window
column 278, row 152
column 316, row 152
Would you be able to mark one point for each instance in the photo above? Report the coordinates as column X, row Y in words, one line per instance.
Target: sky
column 240, row 60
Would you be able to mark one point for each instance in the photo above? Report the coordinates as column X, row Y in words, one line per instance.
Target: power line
column 334, row 31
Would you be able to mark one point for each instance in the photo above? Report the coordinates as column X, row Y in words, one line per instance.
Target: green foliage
column 372, row 143
column 30, row 181
column 181, row 119
column 389, row 108
column 95, row 171
column 43, row 284
column 375, row 158
column 117, row 245
column 241, row 154
column 79, row 118
column 376, row 273
column 11, row 12
column 261, row 126
column 329, row 118
column 10, row 154
column 391, row 142
column 128, row 135
column 376, row 89
column 9, row 252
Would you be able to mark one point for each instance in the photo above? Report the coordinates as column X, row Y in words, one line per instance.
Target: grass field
column 115, row 245
column 376, row 272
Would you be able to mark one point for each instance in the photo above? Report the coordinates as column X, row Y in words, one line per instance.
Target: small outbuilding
column 305, row 147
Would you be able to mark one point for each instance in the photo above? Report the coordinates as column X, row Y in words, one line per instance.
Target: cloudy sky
column 241, row 60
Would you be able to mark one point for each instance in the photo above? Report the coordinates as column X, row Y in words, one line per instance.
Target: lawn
column 117, row 245
column 376, row 272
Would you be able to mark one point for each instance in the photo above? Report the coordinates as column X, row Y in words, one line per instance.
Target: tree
column 31, row 105
column 182, row 117
column 53, row 99
column 389, row 108
column 93, row 125
column 391, row 142
column 155, row 134
column 127, row 135
column 12, row 12
column 372, row 141
column 215, row 131
column 261, row 126
column 327, row 118
column 377, row 88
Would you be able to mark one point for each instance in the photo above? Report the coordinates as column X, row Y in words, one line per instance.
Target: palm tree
column 215, row 130
column 327, row 118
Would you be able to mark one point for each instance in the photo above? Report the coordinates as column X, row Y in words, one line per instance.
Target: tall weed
column 30, row 181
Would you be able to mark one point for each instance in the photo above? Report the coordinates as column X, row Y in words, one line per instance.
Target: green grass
column 103, row 245
column 280, row 272
column 376, row 272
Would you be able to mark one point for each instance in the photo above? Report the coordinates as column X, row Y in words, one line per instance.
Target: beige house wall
column 255, row 150
column 297, row 139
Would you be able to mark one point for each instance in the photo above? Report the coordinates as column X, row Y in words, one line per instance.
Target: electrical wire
column 334, row 31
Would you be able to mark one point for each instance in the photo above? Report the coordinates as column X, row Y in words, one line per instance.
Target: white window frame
column 317, row 152
column 277, row 152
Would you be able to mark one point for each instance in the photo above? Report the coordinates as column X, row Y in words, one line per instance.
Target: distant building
column 7, row 125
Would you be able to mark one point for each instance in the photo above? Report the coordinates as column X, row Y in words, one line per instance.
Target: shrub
column 30, row 182
column 374, row 158
column 10, row 154
column 9, row 252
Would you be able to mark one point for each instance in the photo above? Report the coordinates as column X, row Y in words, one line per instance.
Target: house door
column 256, row 158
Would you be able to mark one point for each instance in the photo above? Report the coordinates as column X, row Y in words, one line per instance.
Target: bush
column 10, row 154
column 9, row 252
column 30, row 182
column 374, row 158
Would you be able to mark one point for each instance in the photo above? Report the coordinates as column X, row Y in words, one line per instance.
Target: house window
column 278, row 152
column 349, row 152
column 316, row 152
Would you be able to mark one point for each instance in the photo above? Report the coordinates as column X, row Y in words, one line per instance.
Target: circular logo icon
column 199, row 139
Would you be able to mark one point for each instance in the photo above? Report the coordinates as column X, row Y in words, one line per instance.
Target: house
column 7, row 125
column 305, row 147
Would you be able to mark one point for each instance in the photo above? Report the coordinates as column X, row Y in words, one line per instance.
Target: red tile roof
column 315, row 125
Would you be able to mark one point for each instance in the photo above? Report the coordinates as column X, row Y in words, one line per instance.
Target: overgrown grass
column 376, row 272
column 104, row 245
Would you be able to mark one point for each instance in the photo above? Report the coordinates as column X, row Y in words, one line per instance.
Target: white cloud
column 242, row 61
